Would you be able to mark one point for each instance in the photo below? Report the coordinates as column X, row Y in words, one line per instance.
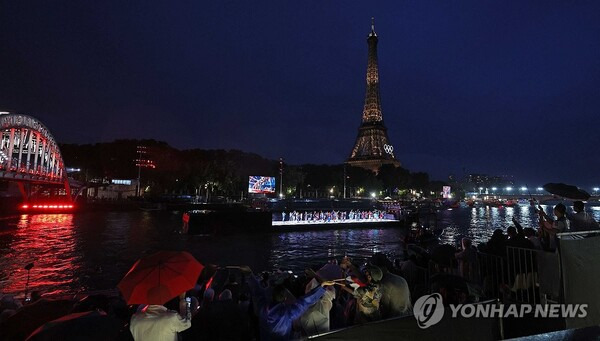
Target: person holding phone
column 157, row 323
column 549, row 227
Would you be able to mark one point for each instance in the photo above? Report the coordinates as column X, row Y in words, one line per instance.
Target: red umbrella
column 160, row 277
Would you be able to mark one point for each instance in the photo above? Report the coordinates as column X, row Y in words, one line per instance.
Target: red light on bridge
column 57, row 207
column 47, row 207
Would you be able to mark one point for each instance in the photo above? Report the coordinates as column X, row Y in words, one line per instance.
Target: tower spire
column 373, row 27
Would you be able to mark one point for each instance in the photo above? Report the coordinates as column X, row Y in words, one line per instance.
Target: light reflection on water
column 93, row 250
column 47, row 240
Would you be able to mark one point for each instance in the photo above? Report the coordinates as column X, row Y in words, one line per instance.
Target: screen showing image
column 446, row 192
column 261, row 184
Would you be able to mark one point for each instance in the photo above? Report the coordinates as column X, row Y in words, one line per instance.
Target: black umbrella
column 33, row 315
column 90, row 325
column 566, row 191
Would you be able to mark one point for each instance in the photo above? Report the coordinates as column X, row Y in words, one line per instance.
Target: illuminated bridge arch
column 29, row 153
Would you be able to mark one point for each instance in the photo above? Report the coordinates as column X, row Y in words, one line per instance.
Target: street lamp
column 539, row 189
column 373, row 195
column 523, row 189
column 509, row 189
column 494, row 189
column 281, row 177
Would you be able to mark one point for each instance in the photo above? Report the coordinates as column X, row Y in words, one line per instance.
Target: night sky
column 498, row 87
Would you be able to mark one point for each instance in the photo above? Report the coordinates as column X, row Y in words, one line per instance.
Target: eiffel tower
column 372, row 148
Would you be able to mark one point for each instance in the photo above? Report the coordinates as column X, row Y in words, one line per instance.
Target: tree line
column 225, row 172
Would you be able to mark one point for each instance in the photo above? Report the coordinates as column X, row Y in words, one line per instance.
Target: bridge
column 30, row 156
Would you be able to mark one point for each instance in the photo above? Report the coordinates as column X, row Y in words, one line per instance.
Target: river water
column 89, row 251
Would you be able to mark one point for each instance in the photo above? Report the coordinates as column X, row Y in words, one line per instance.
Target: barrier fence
column 523, row 276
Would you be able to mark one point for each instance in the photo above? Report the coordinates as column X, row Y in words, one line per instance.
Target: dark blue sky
column 500, row 87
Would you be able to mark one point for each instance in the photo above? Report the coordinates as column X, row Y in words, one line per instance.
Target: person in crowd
column 414, row 275
column 368, row 293
column 551, row 227
column 186, row 223
column 497, row 244
column 274, row 314
column 207, row 298
column 581, row 220
column 533, row 238
column 516, row 239
column 233, row 286
column 316, row 319
column 395, row 294
column 156, row 322
column 226, row 295
column 467, row 259
column 223, row 320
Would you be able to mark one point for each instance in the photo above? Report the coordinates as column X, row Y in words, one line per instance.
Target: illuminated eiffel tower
column 372, row 148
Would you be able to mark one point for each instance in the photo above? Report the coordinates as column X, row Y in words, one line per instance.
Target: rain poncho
column 276, row 320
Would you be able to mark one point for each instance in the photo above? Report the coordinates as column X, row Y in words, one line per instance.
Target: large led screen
column 261, row 184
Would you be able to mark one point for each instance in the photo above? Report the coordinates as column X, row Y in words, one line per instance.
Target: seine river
column 92, row 250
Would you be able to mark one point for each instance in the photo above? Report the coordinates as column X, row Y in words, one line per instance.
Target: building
column 372, row 148
column 115, row 189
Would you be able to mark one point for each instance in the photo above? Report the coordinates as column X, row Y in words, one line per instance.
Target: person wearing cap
column 581, row 220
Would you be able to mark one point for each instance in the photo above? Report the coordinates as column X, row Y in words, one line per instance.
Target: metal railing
column 578, row 235
column 493, row 273
column 522, row 274
column 510, row 278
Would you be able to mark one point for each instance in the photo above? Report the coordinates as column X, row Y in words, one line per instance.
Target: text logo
column 388, row 148
column 429, row 310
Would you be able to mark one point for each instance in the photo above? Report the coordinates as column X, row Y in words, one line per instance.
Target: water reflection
column 47, row 241
column 298, row 250
column 478, row 223
column 93, row 250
